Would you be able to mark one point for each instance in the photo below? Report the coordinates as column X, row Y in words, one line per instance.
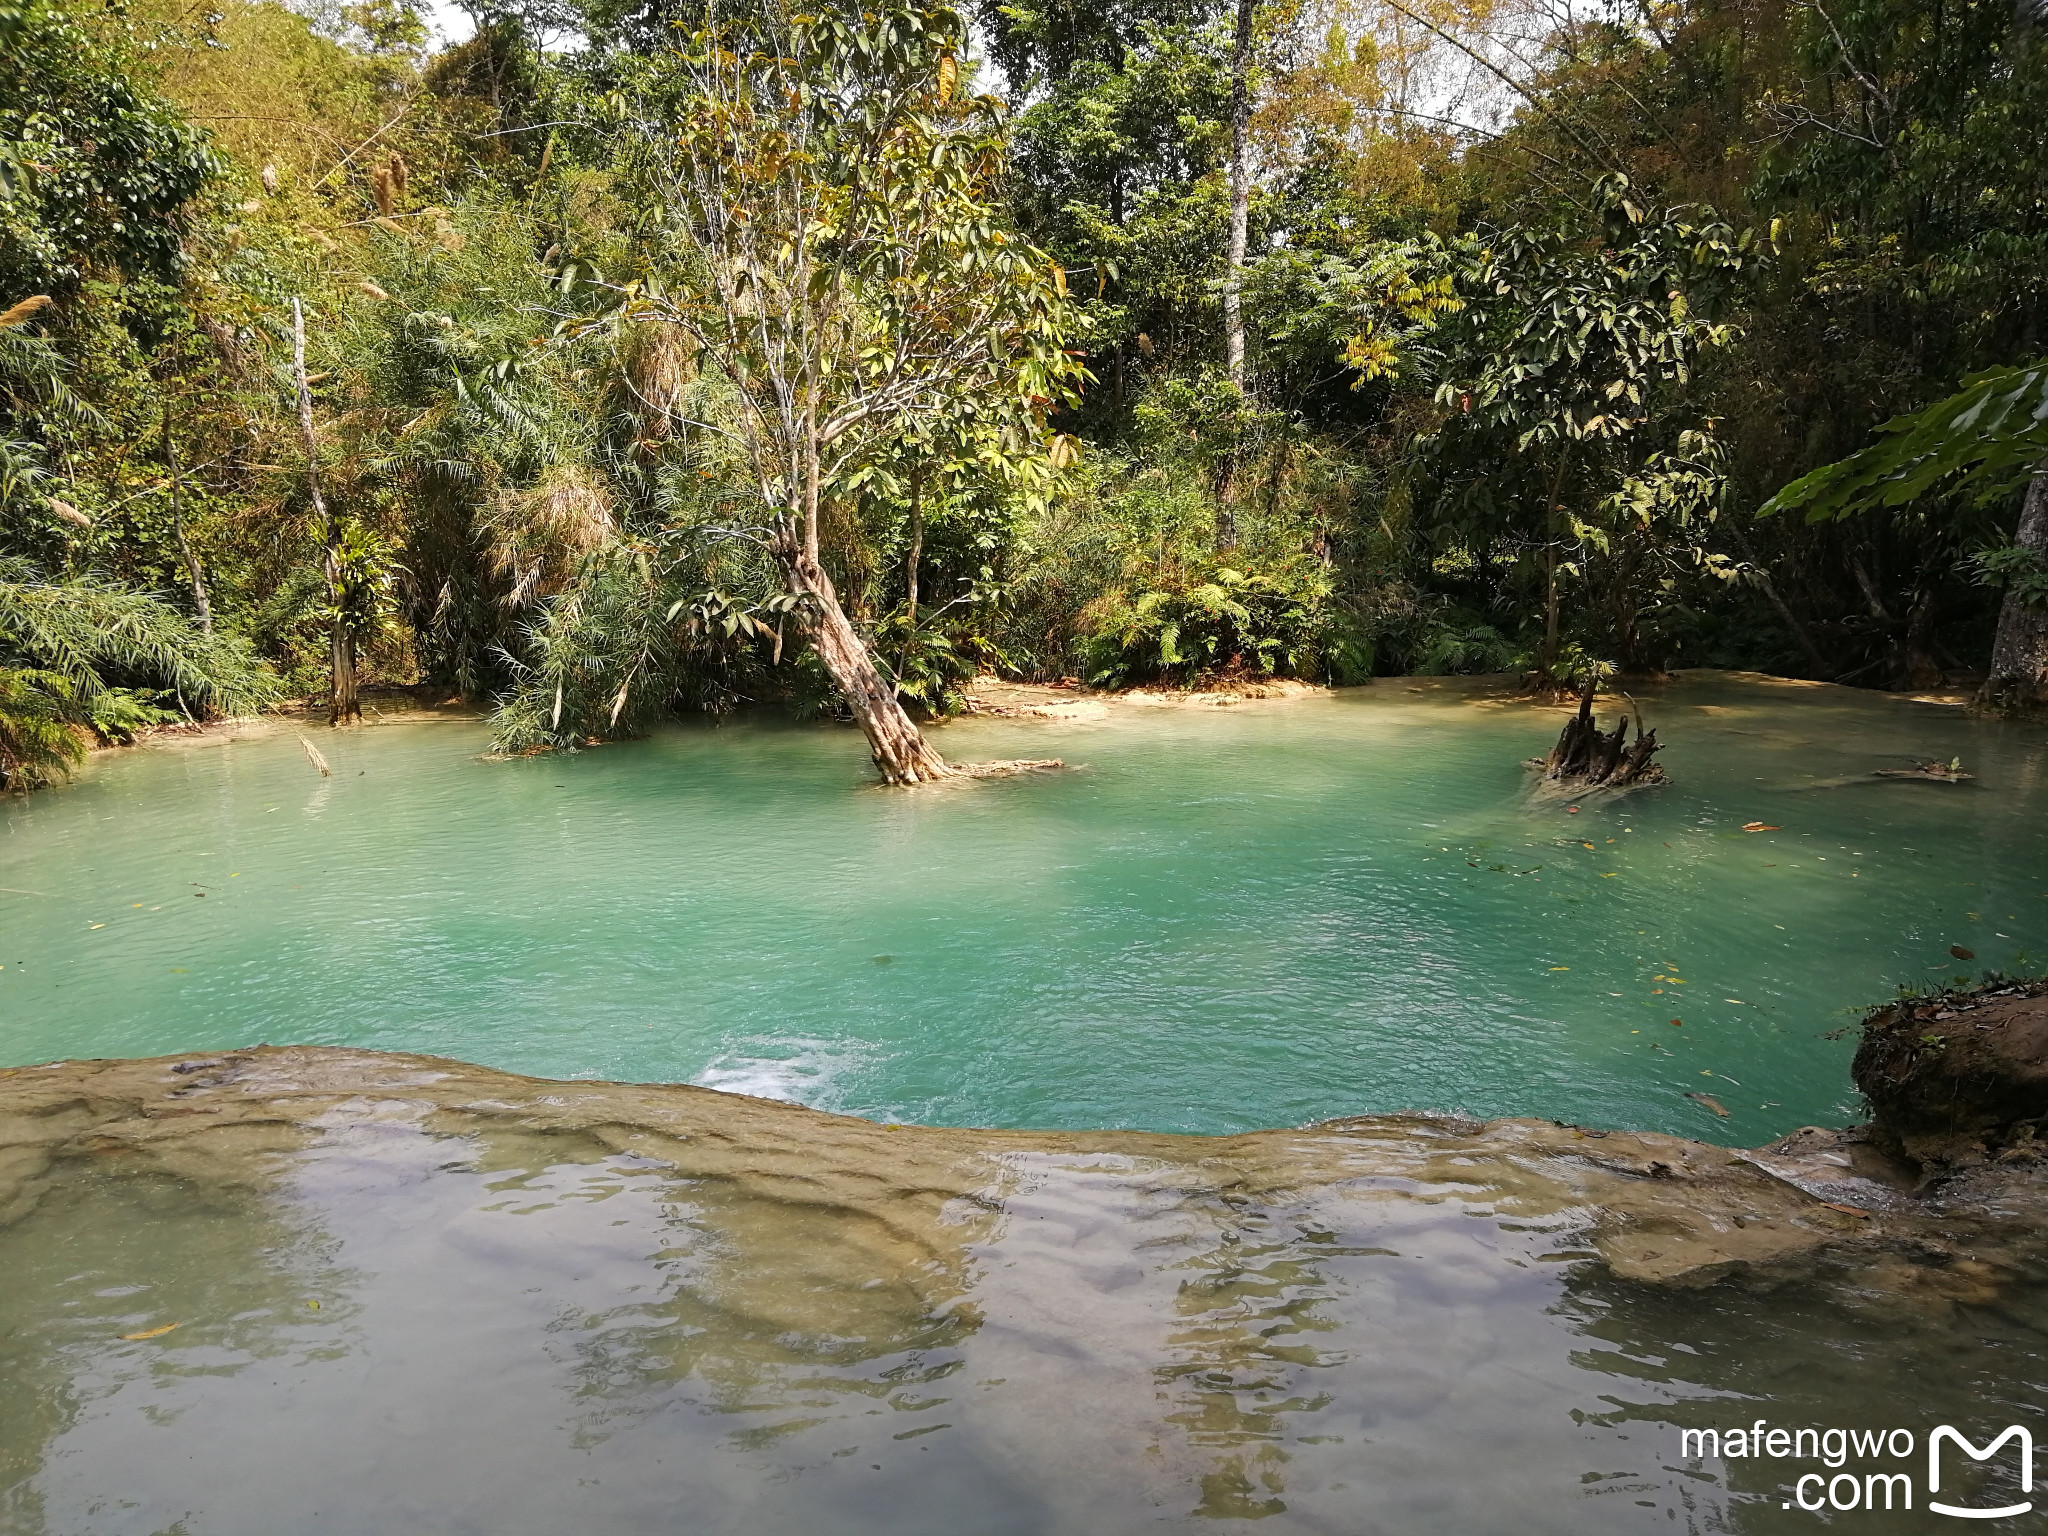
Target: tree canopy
column 1137, row 343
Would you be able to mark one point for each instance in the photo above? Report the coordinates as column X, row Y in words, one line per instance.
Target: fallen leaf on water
column 150, row 1333
column 1560, row 967
column 1760, row 826
column 1847, row 1210
column 1711, row 1103
column 1961, row 953
column 1678, row 1023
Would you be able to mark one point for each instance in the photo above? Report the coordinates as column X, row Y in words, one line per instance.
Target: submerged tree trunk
column 901, row 754
column 202, row 606
column 342, row 705
column 2019, row 656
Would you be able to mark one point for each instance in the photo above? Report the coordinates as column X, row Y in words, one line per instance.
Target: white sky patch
column 450, row 23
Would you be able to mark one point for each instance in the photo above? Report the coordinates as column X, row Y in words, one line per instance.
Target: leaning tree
column 832, row 199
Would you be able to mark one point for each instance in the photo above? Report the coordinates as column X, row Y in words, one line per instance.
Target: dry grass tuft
column 535, row 537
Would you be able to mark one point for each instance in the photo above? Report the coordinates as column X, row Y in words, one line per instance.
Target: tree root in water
column 1008, row 767
column 1587, row 757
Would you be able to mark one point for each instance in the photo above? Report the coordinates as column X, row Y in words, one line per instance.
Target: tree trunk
column 901, row 754
column 1769, row 588
column 2019, row 656
column 1226, row 504
column 203, row 607
column 912, row 557
column 916, row 550
column 1919, row 669
column 1546, row 659
column 342, row 704
column 1628, row 632
column 1240, row 191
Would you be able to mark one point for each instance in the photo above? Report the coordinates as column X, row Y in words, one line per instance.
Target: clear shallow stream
column 1223, row 920
column 409, row 1329
column 1226, row 919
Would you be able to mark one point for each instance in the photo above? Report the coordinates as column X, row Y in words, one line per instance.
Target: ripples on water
column 511, row 1333
column 1224, row 920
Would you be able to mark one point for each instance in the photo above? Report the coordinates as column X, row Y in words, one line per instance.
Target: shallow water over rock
column 1223, row 919
column 331, row 1292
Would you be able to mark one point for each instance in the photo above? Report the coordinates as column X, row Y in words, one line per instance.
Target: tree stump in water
column 1587, row 757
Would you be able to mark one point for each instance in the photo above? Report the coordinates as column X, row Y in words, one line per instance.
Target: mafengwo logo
column 1951, row 1456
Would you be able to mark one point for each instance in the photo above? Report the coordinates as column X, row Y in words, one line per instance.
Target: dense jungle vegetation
column 635, row 357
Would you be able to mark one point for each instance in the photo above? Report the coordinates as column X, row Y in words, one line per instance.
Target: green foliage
column 71, row 652
column 1455, row 645
column 629, row 645
column 96, row 636
column 96, row 168
column 1223, row 622
column 585, row 325
column 1571, row 425
column 41, row 722
column 1983, row 441
column 116, row 714
column 930, row 671
column 833, row 194
column 2016, row 569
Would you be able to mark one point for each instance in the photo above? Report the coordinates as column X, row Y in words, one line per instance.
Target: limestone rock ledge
column 1832, row 1207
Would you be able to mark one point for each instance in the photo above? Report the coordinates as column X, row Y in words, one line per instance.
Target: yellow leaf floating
column 150, row 1333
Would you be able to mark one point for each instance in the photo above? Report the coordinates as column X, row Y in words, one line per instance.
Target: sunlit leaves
column 840, row 196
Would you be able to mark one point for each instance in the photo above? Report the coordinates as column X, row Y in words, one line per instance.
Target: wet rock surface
column 1836, row 1207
